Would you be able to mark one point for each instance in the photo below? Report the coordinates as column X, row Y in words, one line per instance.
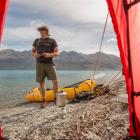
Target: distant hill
column 16, row 60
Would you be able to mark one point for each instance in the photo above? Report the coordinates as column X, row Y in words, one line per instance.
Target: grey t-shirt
column 45, row 45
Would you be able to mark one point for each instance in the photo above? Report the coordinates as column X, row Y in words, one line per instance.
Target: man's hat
column 44, row 27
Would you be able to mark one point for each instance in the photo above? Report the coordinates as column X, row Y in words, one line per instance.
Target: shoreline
column 101, row 118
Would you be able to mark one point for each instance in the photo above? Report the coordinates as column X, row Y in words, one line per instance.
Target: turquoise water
column 15, row 83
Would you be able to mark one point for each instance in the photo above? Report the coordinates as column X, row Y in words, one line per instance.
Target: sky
column 76, row 25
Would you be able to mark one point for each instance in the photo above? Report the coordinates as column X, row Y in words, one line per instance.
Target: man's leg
column 55, row 86
column 42, row 89
column 51, row 75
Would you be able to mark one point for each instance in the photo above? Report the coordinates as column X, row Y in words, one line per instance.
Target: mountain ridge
column 72, row 60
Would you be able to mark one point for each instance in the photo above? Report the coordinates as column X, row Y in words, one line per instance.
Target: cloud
column 3, row 46
column 82, row 38
column 79, row 10
column 111, row 40
column 19, row 33
column 76, row 25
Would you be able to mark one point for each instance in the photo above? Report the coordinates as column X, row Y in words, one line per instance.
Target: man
column 44, row 50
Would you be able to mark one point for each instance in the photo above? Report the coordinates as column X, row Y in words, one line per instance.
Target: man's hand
column 36, row 54
column 47, row 55
column 54, row 54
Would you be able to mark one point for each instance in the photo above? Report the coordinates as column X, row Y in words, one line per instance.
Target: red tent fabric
column 3, row 9
column 126, row 21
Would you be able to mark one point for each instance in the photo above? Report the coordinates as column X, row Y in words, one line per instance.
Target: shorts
column 44, row 70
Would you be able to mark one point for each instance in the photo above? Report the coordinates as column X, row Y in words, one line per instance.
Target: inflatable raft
column 72, row 91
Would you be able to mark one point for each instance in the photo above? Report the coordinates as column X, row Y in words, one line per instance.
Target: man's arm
column 34, row 52
column 54, row 54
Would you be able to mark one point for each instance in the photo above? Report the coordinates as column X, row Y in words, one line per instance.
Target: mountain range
column 23, row 60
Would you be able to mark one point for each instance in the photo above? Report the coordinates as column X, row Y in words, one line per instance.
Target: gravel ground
column 103, row 118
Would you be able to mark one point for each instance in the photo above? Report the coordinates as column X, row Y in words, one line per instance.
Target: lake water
column 15, row 83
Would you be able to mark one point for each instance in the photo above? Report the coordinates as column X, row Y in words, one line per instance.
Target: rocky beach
column 102, row 118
